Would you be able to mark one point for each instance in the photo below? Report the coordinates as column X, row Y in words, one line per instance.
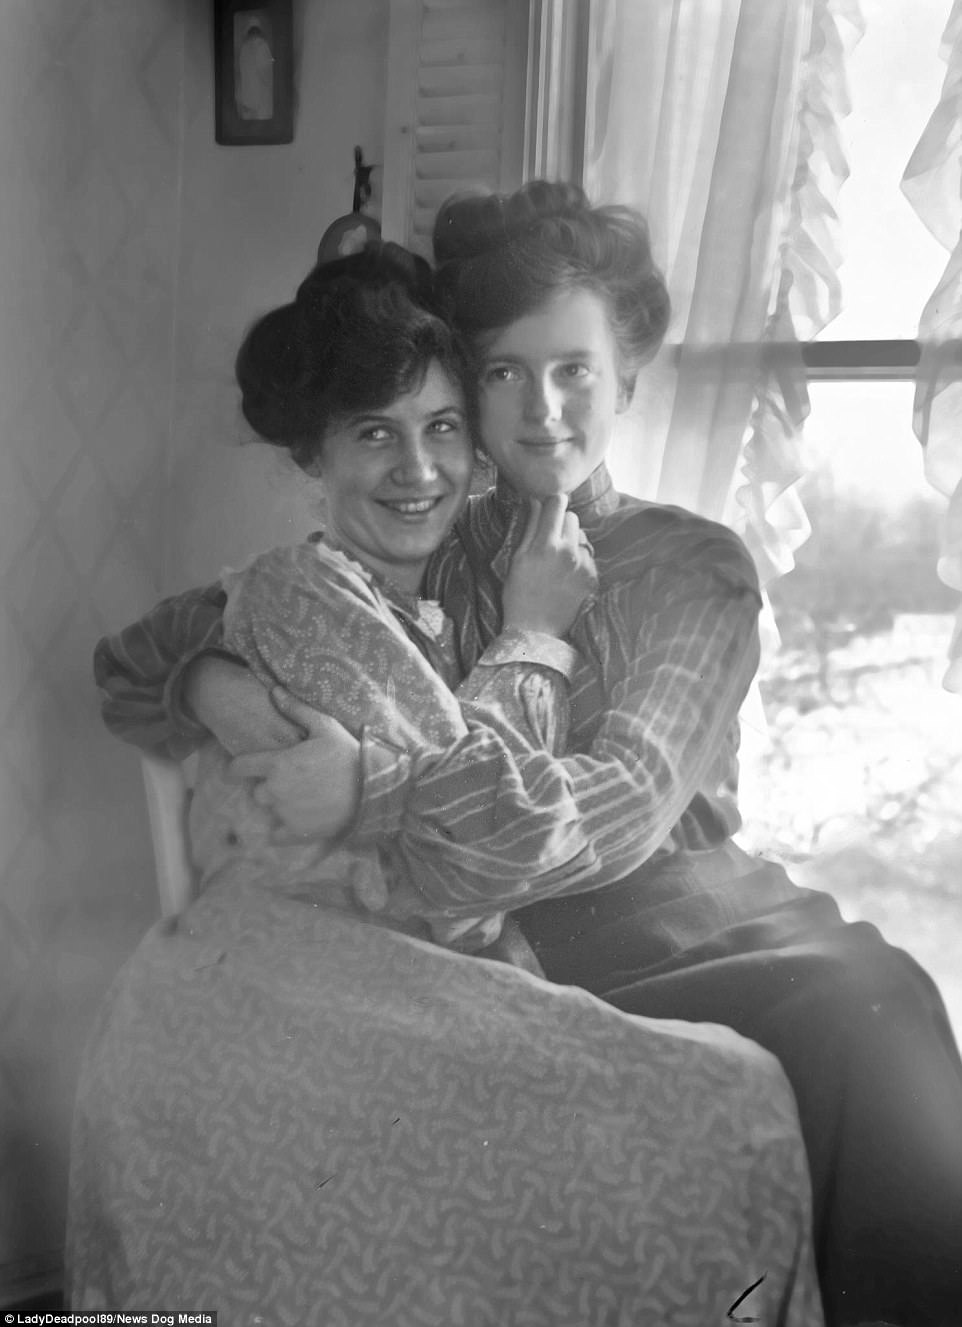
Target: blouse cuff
column 531, row 647
column 385, row 771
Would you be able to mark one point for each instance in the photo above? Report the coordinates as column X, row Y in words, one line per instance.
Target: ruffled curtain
column 720, row 121
column 933, row 185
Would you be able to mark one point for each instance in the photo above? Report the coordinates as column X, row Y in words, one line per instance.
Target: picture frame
column 253, row 72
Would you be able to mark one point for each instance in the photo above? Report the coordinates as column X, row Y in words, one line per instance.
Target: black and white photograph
column 481, row 663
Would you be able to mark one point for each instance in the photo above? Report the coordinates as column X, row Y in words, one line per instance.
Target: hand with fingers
column 314, row 787
column 552, row 572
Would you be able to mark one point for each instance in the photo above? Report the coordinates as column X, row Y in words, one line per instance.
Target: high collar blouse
column 667, row 651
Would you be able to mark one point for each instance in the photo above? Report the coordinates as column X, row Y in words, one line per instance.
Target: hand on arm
column 327, row 613
column 693, row 654
column 309, row 765
column 313, row 787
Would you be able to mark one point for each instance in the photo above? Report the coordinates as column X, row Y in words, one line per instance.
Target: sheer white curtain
column 720, row 122
column 933, row 185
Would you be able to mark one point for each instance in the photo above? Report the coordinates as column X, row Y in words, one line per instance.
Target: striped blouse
column 667, row 651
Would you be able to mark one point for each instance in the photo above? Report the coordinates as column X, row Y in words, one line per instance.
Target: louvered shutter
column 455, row 106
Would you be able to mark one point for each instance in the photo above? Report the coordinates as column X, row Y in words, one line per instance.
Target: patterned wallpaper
column 90, row 156
column 133, row 252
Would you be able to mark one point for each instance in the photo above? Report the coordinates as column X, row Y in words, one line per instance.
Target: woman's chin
column 544, row 482
column 543, row 491
column 547, row 476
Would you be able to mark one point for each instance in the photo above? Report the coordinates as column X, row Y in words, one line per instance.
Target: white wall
column 251, row 222
column 133, row 251
column 90, row 147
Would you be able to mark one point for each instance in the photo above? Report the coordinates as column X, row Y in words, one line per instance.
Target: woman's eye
column 444, row 426
column 501, row 373
column 376, row 434
column 574, row 370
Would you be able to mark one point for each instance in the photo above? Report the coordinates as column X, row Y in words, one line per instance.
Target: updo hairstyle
column 361, row 331
column 501, row 256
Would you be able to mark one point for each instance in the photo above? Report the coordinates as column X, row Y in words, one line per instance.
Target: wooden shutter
column 455, row 107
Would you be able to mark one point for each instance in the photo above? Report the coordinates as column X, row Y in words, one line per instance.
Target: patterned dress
column 663, row 915
column 315, row 621
column 300, row 1119
column 294, row 1110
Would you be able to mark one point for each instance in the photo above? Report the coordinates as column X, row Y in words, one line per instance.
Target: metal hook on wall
column 349, row 233
column 362, row 181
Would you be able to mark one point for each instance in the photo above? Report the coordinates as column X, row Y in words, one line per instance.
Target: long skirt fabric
column 294, row 1117
column 860, row 1030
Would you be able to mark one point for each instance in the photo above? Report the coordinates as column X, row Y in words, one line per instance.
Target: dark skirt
column 860, row 1030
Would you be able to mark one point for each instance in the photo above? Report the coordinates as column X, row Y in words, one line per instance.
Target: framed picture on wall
column 253, row 72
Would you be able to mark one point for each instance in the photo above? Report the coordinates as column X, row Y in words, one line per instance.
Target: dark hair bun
column 360, row 331
column 468, row 225
column 378, row 265
column 501, row 257
column 269, row 371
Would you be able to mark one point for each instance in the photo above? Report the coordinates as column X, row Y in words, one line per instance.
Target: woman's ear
column 312, row 465
column 626, row 390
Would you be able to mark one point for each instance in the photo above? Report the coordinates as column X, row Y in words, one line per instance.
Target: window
column 859, row 789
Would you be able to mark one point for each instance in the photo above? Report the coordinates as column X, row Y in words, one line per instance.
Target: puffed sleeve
column 140, row 671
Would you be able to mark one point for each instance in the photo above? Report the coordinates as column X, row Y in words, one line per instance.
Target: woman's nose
column 415, row 464
column 543, row 400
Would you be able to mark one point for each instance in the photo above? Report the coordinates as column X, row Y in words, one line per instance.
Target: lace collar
column 427, row 613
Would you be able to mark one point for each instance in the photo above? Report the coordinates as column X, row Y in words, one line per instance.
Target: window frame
column 861, row 361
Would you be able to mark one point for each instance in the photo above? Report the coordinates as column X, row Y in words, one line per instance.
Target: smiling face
column 395, row 479
column 550, row 388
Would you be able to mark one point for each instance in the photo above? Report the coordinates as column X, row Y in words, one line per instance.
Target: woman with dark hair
column 561, row 304
column 301, row 1104
column 359, row 381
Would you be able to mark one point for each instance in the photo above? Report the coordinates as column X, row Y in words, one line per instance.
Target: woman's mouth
column 411, row 506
